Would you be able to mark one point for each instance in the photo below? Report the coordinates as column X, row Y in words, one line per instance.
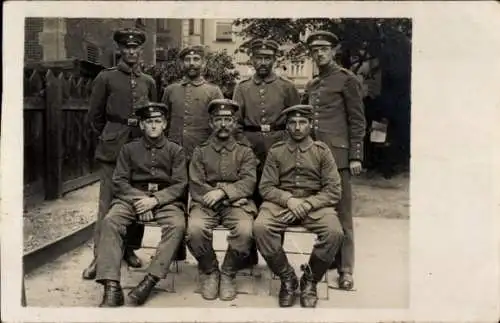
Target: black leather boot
column 113, row 294
column 131, row 258
column 278, row 263
column 313, row 272
column 91, row 271
column 141, row 292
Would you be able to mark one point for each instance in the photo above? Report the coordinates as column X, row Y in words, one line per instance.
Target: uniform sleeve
column 293, row 96
column 198, row 185
column 153, row 91
column 121, row 179
column 355, row 117
column 330, row 191
column 179, row 180
column 240, row 115
column 304, row 99
column 245, row 186
column 270, row 180
column 98, row 99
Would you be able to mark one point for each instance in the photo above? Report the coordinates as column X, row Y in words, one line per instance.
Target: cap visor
column 263, row 51
column 320, row 43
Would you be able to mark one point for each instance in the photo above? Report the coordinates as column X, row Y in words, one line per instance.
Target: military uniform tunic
column 145, row 168
column 116, row 93
column 339, row 121
column 188, row 102
column 306, row 171
column 230, row 166
column 261, row 102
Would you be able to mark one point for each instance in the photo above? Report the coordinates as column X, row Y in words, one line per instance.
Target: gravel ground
column 50, row 220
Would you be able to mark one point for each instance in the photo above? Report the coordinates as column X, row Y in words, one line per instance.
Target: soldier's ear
column 141, row 124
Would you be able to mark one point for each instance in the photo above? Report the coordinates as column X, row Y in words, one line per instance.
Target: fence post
column 53, row 139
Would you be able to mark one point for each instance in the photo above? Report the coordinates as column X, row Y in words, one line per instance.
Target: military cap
column 196, row 49
column 322, row 38
column 129, row 36
column 299, row 110
column 264, row 46
column 223, row 107
column 152, row 110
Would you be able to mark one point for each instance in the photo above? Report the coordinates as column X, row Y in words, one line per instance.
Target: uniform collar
column 327, row 70
column 218, row 145
column 303, row 145
column 148, row 143
column 197, row 82
column 122, row 66
column 270, row 78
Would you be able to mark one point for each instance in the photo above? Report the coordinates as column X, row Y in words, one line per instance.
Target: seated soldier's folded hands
column 145, row 204
column 212, row 197
column 298, row 207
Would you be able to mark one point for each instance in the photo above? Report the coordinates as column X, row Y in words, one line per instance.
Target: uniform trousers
column 201, row 223
column 344, row 258
column 135, row 232
column 269, row 228
column 171, row 219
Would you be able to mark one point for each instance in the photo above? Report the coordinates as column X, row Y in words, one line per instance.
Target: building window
column 224, row 31
column 32, row 49
column 191, row 27
column 92, row 53
column 162, row 25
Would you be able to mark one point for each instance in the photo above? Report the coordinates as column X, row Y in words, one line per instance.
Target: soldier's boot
column 113, row 294
column 91, row 271
column 210, row 276
column 313, row 272
column 232, row 263
column 139, row 294
column 278, row 263
column 346, row 281
column 131, row 258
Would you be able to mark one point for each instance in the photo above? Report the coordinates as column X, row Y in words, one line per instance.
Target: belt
column 149, row 187
column 302, row 193
column 263, row 128
column 132, row 122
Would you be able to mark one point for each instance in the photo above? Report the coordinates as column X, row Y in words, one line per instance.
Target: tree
column 219, row 70
column 389, row 40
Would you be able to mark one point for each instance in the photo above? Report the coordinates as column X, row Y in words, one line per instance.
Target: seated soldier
column 300, row 185
column 148, row 183
column 222, row 178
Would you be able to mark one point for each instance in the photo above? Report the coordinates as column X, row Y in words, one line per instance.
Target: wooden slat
column 79, row 182
column 53, row 178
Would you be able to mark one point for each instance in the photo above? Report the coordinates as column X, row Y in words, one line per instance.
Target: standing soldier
column 300, row 185
column 188, row 101
column 262, row 98
column 149, row 183
column 222, row 179
column 115, row 95
column 339, row 121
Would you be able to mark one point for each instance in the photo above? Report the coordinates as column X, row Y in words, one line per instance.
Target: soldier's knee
column 334, row 233
column 260, row 227
column 178, row 223
column 244, row 229
column 196, row 228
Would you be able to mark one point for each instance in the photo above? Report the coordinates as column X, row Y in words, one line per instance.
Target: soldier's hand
column 146, row 216
column 355, row 167
column 288, row 217
column 145, row 204
column 213, row 197
column 240, row 202
column 292, row 203
column 303, row 209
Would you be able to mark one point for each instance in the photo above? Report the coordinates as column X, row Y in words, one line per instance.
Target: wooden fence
column 58, row 144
